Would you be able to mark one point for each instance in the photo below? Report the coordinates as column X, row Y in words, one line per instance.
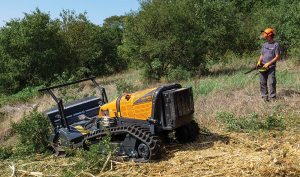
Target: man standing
column 270, row 53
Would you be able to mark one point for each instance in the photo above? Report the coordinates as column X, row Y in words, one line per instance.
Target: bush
column 33, row 133
column 94, row 159
column 179, row 73
column 125, row 86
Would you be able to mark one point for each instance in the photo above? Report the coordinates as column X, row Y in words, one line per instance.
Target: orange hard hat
column 266, row 33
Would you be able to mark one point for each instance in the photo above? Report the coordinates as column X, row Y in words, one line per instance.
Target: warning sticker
column 82, row 130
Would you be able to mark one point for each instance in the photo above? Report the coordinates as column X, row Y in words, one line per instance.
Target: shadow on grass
column 203, row 142
column 287, row 93
column 231, row 71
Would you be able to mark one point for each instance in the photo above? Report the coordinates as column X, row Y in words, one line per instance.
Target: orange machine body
column 137, row 105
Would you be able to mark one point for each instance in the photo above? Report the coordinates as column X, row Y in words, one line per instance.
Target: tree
column 166, row 35
column 78, row 36
column 281, row 16
column 115, row 21
column 105, row 59
column 91, row 49
column 30, row 52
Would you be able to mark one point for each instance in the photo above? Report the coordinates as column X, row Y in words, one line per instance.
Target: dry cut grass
column 217, row 155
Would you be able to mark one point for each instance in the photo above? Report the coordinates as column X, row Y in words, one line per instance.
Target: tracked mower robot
column 139, row 123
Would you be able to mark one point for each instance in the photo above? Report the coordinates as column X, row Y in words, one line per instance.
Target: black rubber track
column 144, row 135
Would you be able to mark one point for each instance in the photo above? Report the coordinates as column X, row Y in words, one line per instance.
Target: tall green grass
column 238, row 80
column 22, row 96
column 288, row 79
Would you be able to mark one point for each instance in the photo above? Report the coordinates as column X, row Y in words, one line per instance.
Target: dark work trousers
column 269, row 76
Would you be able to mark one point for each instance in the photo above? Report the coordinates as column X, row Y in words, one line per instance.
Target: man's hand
column 258, row 63
column 266, row 65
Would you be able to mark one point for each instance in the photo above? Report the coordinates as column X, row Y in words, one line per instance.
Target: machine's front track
column 143, row 146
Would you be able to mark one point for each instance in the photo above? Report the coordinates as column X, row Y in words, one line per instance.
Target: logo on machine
column 148, row 98
column 145, row 98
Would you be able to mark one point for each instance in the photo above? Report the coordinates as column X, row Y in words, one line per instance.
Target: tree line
column 165, row 38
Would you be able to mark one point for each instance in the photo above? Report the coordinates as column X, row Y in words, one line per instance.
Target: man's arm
column 275, row 59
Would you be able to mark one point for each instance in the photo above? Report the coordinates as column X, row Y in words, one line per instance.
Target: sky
column 97, row 10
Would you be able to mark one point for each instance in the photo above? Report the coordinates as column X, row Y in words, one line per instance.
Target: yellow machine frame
column 137, row 105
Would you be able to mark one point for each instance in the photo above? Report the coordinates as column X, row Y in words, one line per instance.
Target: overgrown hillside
column 240, row 134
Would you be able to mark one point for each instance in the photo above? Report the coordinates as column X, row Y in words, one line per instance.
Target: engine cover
column 179, row 106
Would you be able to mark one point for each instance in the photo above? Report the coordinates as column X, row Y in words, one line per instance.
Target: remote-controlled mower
column 140, row 123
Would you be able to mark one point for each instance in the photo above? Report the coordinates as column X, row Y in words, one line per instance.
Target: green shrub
column 33, row 133
column 96, row 155
column 179, row 73
column 93, row 159
column 251, row 123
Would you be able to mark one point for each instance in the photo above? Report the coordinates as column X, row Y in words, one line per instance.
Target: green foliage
column 33, row 133
column 295, row 56
column 246, row 6
column 6, row 152
column 71, row 93
column 30, row 51
column 179, row 73
column 114, row 21
column 96, row 155
column 105, row 59
column 251, row 123
column 93, row 159
column 280, row 15
column 77, row 33
column 90, row 49
column 125, row 86
column 34, row 50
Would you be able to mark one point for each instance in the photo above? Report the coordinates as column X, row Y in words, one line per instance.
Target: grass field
column 248, row 137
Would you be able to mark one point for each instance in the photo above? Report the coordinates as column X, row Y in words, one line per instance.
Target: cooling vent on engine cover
column 179, row 104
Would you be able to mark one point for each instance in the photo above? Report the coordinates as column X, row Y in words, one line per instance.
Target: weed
column 2, row 115
column 5, row 152
column 251, row 123
column 5, row 138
